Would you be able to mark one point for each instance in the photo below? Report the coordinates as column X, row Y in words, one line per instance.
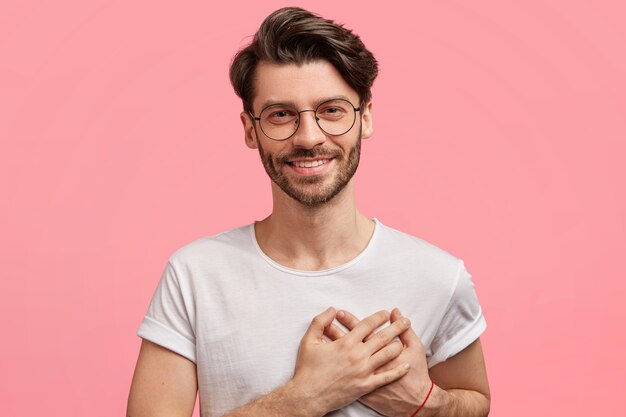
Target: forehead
column 302, row 85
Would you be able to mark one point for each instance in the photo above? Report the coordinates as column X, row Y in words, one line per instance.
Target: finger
column 409, row 337
column 386, row 354
column 395, row 314
column 319, row 322
column 333, row 332
column 386, row 335
column 368, row 325
column 387, row 377
column 392, row 363
column 350, row 321
column 347, row 319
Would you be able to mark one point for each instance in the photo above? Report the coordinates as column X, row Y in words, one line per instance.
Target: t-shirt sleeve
column 462, row 323
column 170, row 317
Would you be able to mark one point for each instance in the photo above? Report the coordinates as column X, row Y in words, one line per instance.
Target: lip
column 309, row 158
column 311, row 171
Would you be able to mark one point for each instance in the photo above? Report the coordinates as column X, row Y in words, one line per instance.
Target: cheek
column 268, row 156
column 273, row 150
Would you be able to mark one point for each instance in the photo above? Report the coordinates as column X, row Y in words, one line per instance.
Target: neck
column 315, row 238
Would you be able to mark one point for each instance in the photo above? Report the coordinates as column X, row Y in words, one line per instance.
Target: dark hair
column 294, row 35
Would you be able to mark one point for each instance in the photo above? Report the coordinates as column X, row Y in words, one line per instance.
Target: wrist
column 436, row 403
column 303, row 400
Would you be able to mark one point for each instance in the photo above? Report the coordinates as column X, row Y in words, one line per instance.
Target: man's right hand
column 334, row 374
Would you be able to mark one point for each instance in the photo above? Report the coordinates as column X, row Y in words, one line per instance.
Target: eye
column 331, row 111
column 335, row 108
column 279, row 115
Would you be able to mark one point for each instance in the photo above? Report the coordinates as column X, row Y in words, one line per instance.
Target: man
column 247, row 317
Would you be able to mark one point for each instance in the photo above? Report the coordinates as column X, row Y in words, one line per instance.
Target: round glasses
column 280, row 121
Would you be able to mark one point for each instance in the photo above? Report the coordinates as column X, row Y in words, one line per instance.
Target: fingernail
column 407, row 366
column 406, row 321
column 340, row 314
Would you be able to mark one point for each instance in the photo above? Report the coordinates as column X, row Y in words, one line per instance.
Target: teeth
column 309, row 164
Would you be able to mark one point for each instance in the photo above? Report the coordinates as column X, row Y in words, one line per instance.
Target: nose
column 309, row 133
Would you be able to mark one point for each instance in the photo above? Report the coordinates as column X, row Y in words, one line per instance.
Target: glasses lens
column 278, row 121
column 335, row 117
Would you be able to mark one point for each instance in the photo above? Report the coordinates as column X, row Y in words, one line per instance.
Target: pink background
column 500, row 136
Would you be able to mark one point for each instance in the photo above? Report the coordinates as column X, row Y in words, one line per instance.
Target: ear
column 367, row 128
column 248, row 129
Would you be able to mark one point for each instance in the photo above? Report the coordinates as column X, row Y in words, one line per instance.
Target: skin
column 335, row 366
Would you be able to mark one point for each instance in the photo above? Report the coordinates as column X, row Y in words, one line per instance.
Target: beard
column 312, row 191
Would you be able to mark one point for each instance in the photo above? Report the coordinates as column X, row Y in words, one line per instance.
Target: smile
column 309, row 164
column 311, row 167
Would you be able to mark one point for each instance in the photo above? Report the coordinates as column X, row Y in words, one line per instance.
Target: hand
column 404, row 396
column 336, row 373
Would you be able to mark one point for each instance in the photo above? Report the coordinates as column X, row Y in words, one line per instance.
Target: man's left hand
column 402, row 397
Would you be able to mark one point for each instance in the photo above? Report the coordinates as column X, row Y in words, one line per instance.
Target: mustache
column 309, row 153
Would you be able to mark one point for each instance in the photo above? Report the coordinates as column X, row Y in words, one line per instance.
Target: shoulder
column 403, row 245
column 213, row 249
column 421, row 264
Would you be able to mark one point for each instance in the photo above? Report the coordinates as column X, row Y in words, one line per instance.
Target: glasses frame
column 258, row 118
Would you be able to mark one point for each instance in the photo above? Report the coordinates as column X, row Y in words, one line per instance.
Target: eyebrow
column 293, row 104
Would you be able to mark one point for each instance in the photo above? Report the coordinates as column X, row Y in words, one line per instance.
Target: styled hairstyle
column 292, row 35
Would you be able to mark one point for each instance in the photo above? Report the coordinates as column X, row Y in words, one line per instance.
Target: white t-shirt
column 240, row 316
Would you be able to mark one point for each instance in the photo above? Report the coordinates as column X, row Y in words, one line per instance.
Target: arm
column 164, row 384
column 328, row 375
column 461, row 388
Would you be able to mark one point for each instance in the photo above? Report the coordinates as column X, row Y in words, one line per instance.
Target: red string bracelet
column 427, row 395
